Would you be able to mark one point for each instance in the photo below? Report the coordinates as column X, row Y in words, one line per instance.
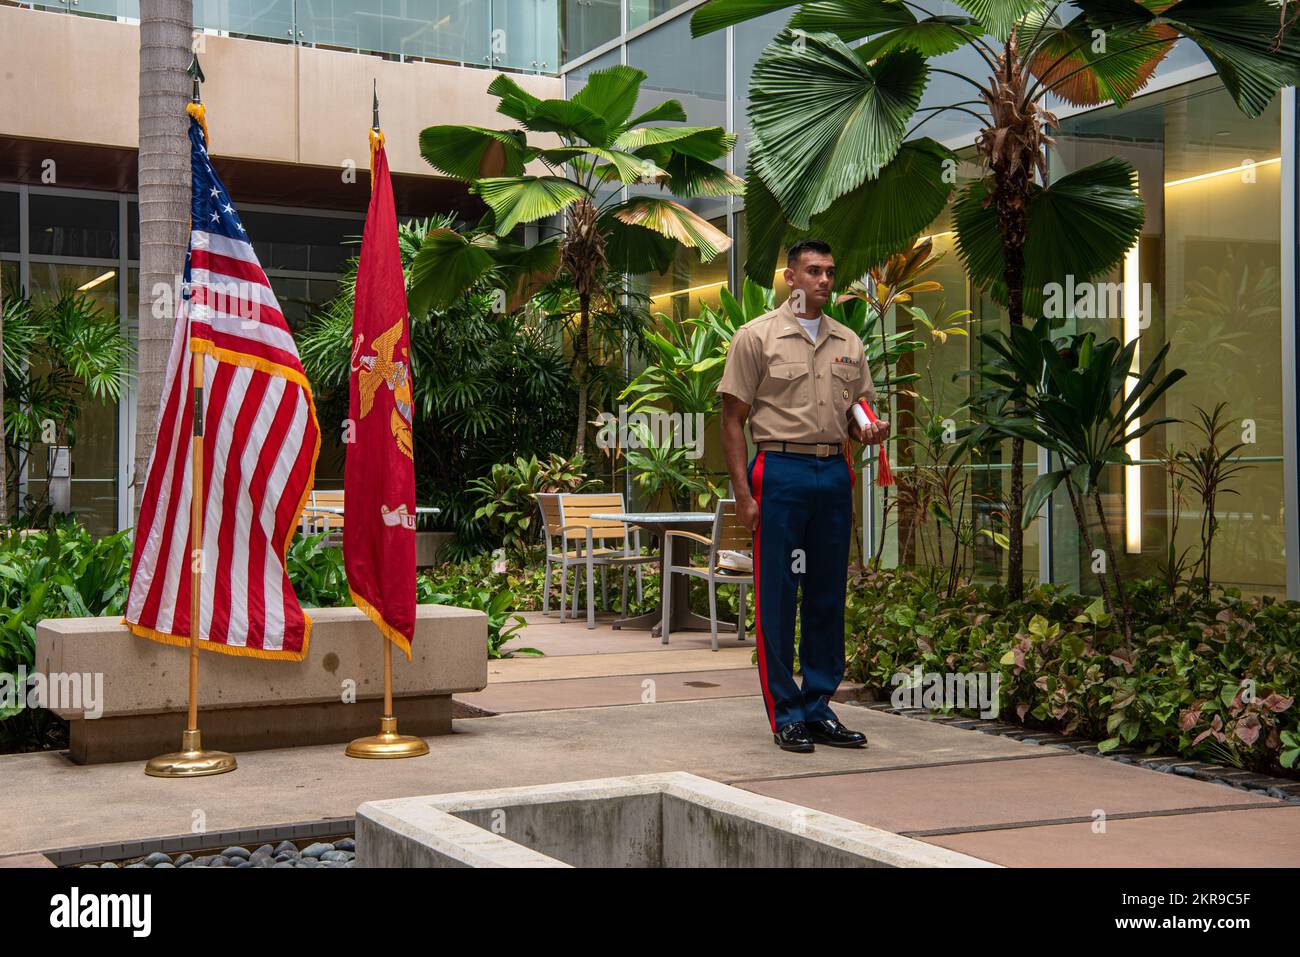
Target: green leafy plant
column 497, row 604
column 508, row 495
column 602, row 148
column 834, row 149
column 1084, row 409
column 1210, row 679
column 1207, row 468
column 660, row 469
column 317, row 573
column 59, row 353
column 488, row 387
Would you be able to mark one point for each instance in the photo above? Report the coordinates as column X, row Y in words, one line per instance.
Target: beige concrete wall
column 449, row 655
column 76, row 79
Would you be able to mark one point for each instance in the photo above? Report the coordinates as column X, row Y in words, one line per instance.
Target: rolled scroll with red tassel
column 863, row 414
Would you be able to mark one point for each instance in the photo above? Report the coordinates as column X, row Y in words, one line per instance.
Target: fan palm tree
column 164, row 186
column 602, row 148
column 834, row 149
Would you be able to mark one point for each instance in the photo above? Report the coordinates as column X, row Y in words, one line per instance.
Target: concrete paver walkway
column 607, row 703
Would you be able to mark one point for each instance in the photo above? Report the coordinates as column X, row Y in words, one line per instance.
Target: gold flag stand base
column 191, row 761
column 388, row 743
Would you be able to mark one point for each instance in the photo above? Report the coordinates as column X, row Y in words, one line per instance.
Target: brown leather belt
column 820, row 449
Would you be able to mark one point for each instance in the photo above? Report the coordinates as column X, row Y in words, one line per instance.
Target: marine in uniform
column 794, row 374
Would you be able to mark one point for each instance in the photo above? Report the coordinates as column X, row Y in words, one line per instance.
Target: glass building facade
column 1216, row 261
column 519, row 35
column 1217, row 256
column 53, row 239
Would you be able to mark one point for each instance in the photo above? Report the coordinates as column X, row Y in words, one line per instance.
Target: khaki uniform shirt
column 797, row 391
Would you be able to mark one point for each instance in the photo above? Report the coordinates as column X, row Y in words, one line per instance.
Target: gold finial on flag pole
column 192, row 761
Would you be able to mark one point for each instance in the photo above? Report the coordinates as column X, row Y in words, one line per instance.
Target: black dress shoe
column 835, row 734
column 794, row 737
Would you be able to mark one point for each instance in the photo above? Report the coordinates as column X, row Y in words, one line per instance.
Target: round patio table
column 659, row 524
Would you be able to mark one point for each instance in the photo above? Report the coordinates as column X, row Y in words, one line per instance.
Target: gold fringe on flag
column 376, row 144
column 198, row 111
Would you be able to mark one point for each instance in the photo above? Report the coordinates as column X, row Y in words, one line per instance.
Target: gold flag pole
column 192, row 760
column 387, row 743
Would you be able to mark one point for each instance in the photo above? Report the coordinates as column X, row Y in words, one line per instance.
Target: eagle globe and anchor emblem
column 383, row 368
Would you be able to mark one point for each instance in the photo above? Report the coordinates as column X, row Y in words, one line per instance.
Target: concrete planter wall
column 428, row 547
column 334, row 695
column 650, row 820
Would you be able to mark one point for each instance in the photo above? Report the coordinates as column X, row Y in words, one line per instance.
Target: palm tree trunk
column 580, row 349
column 1015, row 278
column 1087, row 541
column 1114, row 568
column 164, row 186
column 884, row 489
column 1013, row 146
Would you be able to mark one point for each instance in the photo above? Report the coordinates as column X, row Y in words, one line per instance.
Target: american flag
column 260, row 441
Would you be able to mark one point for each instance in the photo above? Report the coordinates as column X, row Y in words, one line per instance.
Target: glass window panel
column 586, row 24
column 72, row 226
column 128, row 9
column 526, row 34
column 93, row 435
column 678, row 67
column 300, row 299
column 1208, row 269
column 749, row 40
column 643, row 11
column 264, row 19
column 133, row 231
column 575, row 79
column 9, row 238
column 449, row 30
column 286, row 240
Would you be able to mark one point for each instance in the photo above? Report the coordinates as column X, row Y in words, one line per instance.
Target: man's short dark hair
column 806, row 246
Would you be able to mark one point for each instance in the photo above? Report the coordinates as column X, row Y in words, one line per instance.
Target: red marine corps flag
column 379, row 481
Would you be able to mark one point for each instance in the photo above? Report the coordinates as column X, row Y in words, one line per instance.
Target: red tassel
column 885, row 476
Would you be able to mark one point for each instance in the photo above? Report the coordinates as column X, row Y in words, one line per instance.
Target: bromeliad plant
column 834, row 150
column 602, row 149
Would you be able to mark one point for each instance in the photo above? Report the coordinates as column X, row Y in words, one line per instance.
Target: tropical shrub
column 1216, row 679
column 508, row 495
column 488, row 387
column 59, row 573
column 834, row 149
column 59, row 353
column 602, row 148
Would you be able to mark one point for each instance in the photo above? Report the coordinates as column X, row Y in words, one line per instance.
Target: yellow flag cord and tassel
column 197, row 111
column 376, row 144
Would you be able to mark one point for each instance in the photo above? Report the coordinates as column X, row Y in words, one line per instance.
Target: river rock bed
column 338, row 853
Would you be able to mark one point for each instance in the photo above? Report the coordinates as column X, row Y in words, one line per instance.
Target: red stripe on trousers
column 756, row 487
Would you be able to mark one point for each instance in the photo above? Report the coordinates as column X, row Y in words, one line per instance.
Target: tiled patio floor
column 606, row 703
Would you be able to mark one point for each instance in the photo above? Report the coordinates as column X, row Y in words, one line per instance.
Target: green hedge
column 1211, row 679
